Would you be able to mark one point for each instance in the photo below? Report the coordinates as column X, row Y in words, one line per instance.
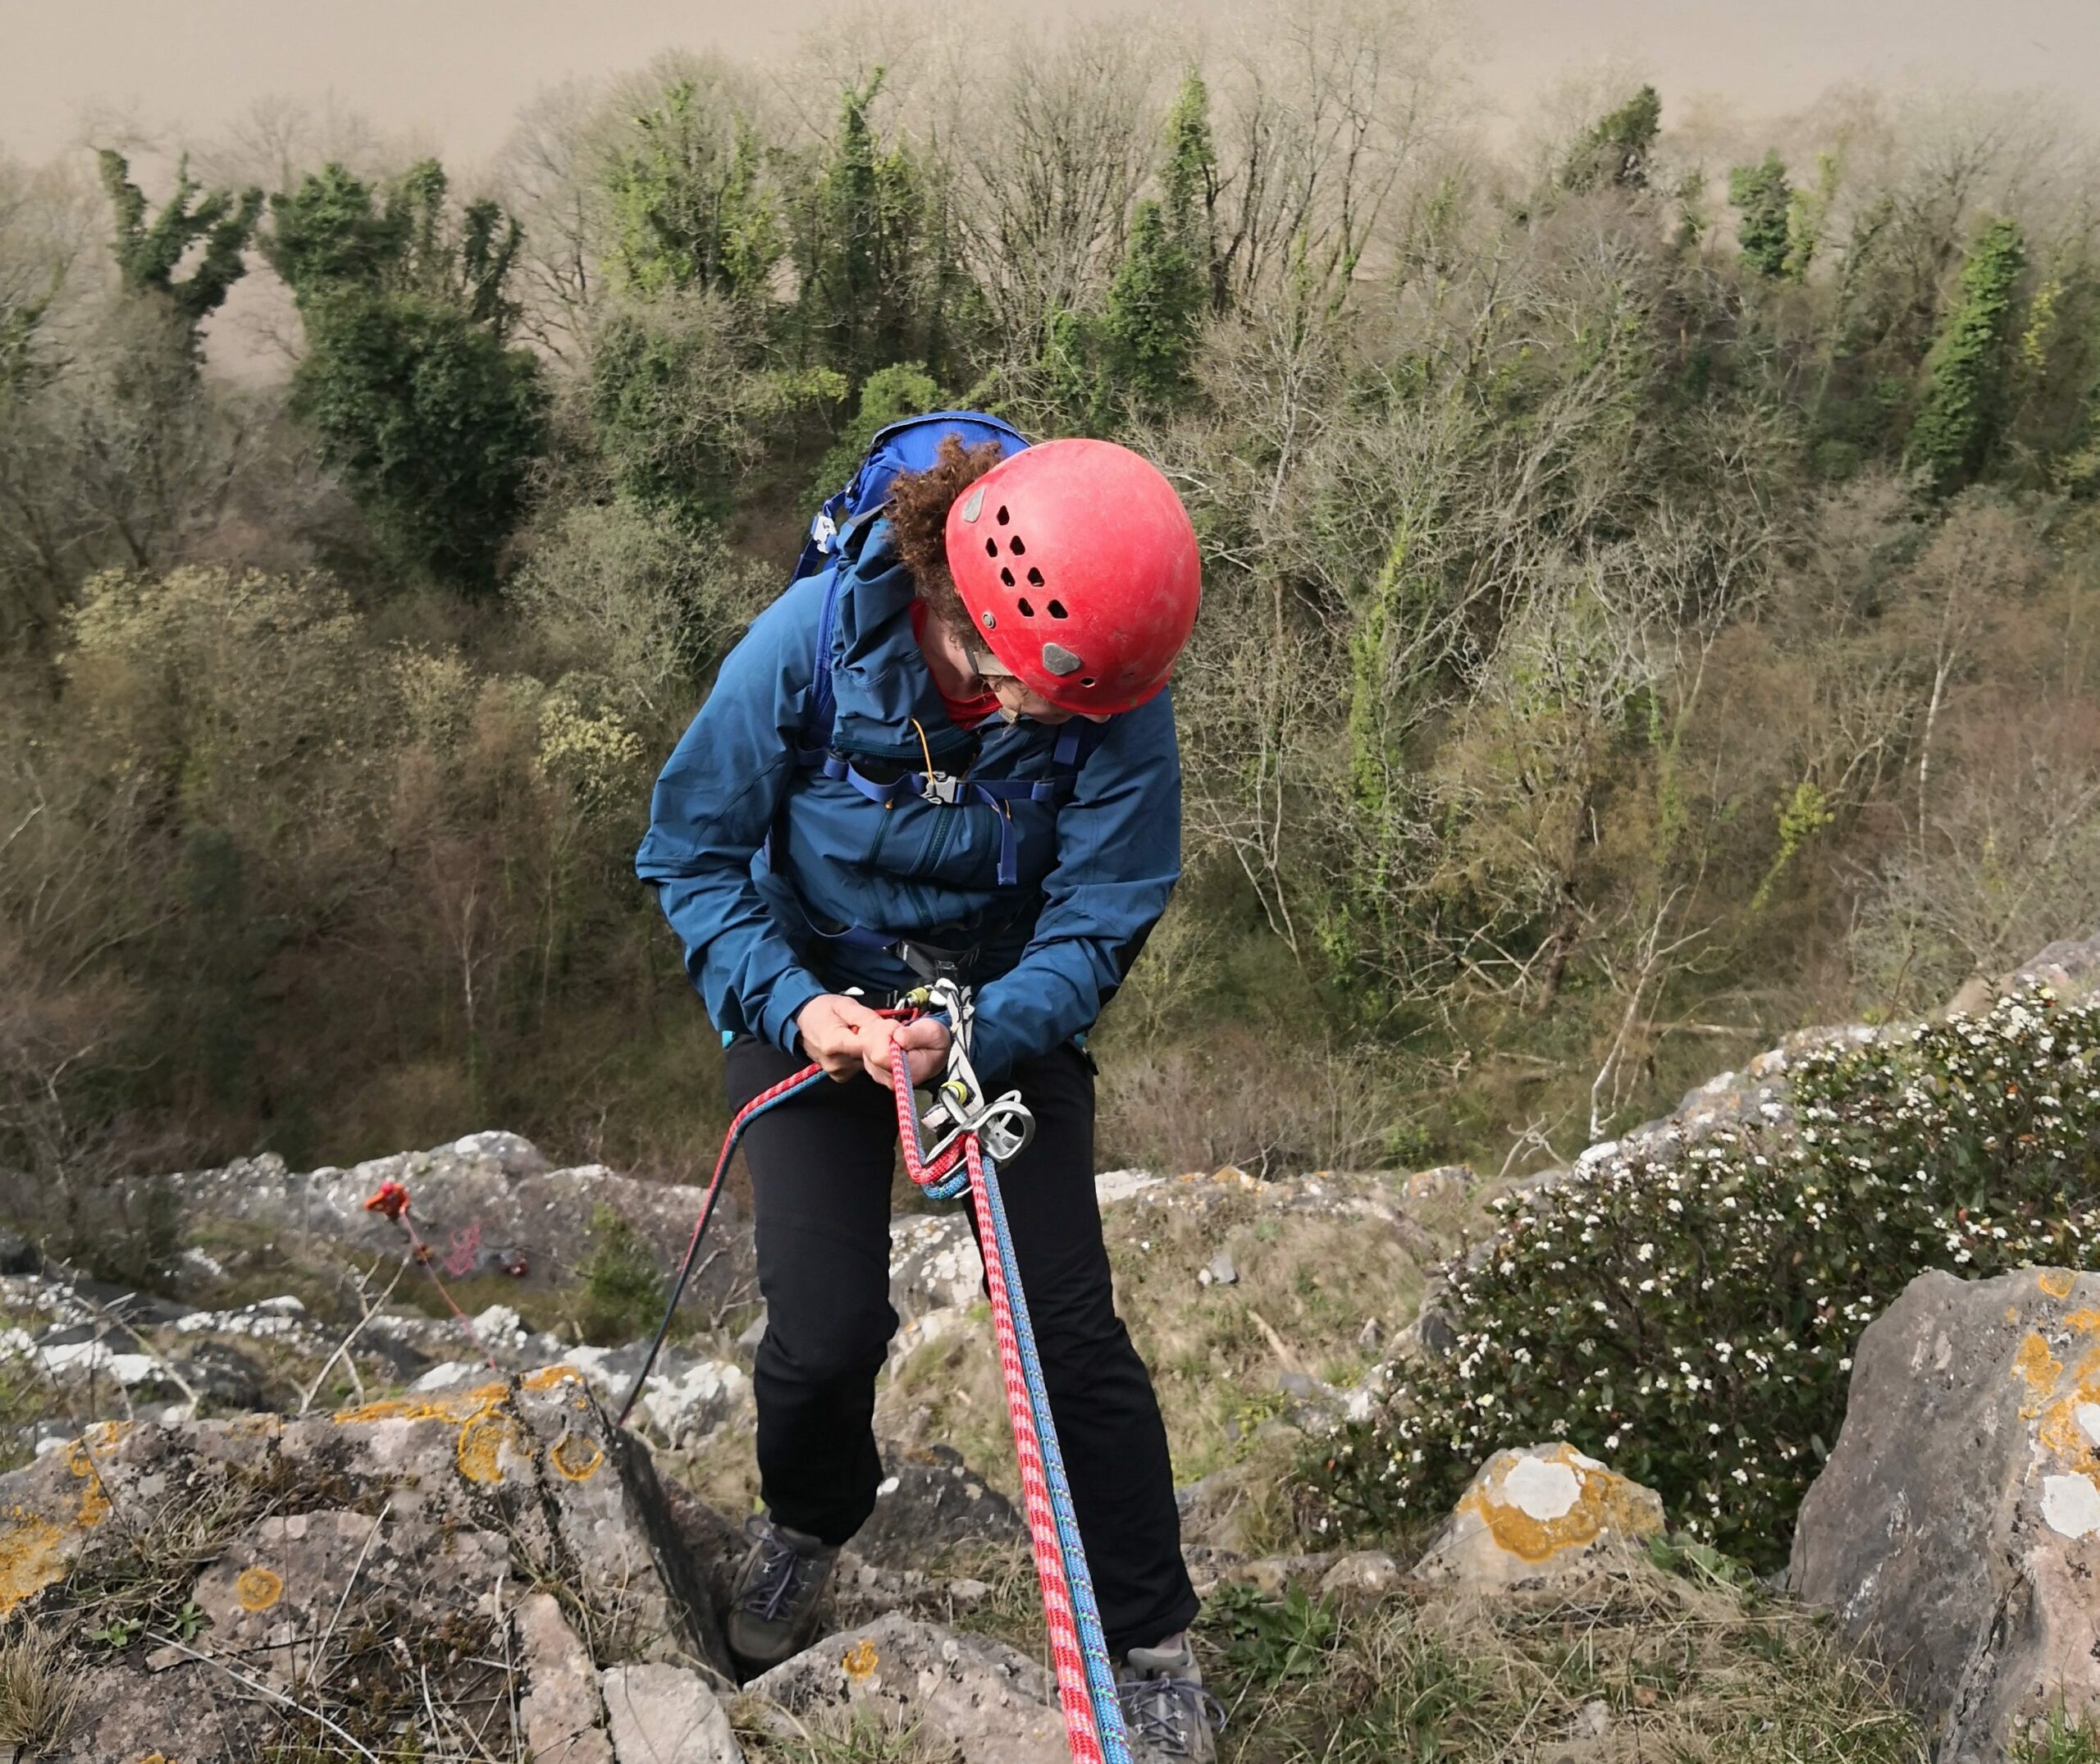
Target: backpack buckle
column 942, row 789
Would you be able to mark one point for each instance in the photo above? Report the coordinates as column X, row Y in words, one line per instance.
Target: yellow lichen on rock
column 1536, row 1513
column 576, row 1457
column 460, row 1406
column 2063, row 1403
column 482, row 1438
column 1535, row 1510
column 79, row 1459
column 861, row 1661
column 35, row 1546
column 2040, row 1367
column 547, row 1378
column 482, row 1415
column 258, row 1588
column 33, row 1552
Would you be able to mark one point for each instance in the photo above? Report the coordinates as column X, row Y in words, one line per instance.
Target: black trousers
column 821, row 1166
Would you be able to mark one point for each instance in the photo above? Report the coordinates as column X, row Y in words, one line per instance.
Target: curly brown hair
column 917, row 512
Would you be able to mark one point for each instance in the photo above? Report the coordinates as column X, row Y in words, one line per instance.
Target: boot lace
column 780, row 1578
column 1163, row 1712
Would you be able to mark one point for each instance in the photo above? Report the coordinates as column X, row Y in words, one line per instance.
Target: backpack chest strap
column 947, row 790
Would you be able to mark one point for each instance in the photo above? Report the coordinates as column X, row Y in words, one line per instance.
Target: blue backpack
column 911, row 444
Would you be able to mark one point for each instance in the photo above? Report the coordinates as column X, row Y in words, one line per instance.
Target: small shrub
column 1266, row 1639
column 623, row 1292
column 1694, row 1323
column 134, row 1239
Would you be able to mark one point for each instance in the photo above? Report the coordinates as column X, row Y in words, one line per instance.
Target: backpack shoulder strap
column 820, row 703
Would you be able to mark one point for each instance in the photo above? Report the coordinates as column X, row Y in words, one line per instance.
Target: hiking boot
column 1165, row 1705
column 773, row 1608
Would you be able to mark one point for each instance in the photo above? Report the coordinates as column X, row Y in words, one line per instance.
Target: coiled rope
column 1086, row 1681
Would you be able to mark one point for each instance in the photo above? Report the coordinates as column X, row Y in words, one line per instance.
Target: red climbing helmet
column 1078, row 565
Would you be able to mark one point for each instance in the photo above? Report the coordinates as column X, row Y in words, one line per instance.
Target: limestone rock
column 989, row 1702
column 861, row 1591
column 559, row 1712
column 929, row 1503
column 125, row 1713
column 1442, row 1182
column 486, row 1203
column 393, row 1544
column 1538, row 1516
column 665, row 1715
column 1360, row 1573
column 1955, row 1530
column 933, row 1264
column 687, row 1397
column 2070, row 967
column 1112, row 1185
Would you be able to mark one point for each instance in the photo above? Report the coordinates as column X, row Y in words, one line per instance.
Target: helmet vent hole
column 1027, row 611
column 1006, row 576
column 1086, row 679
column 1034, row 577
column 1015, row 545
column 1057, row 610
column 1004, row 517
column 991, row 548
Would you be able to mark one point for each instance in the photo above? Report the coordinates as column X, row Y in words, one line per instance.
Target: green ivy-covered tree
column 1189, row 187
column 678, row 407
column 689, row 207
column 408, row 378
column 1764, row 199
column 1617, row 147
column 864, row 251
column 903, row 389
column 1807, row 212
column 19, row 322
column 149, row 250
column 1133, row 354
column 1958, row 417
column 1148, row 325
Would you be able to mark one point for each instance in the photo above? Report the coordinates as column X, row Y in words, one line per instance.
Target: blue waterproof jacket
column 761, row 860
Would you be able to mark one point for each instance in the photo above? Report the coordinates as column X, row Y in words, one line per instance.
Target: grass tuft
column 39, row 1689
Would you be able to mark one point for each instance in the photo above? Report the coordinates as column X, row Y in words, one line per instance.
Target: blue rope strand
column 1100, row 1674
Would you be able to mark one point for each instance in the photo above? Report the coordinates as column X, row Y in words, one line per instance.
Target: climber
column 950, row 751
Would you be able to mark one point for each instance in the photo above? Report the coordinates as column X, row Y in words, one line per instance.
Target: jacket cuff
column 783, row 1003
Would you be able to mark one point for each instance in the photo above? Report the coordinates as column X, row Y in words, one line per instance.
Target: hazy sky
column 453, row 72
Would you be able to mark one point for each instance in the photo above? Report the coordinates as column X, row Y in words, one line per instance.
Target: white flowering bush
column 1693, row 1323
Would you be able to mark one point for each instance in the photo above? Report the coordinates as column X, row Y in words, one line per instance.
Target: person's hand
column 925, row 1043
column 837, row 1032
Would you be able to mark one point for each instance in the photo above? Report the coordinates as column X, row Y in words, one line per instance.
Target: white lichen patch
column 2071, row 1506
column 1541, row 1489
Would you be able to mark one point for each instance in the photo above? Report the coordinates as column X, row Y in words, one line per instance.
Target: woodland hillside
column 1651, row 576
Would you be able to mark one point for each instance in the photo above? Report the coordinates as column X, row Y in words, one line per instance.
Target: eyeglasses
column 990, row 668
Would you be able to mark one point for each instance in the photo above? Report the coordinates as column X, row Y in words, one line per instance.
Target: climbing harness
column 392, row 1202
column 972, row 1134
